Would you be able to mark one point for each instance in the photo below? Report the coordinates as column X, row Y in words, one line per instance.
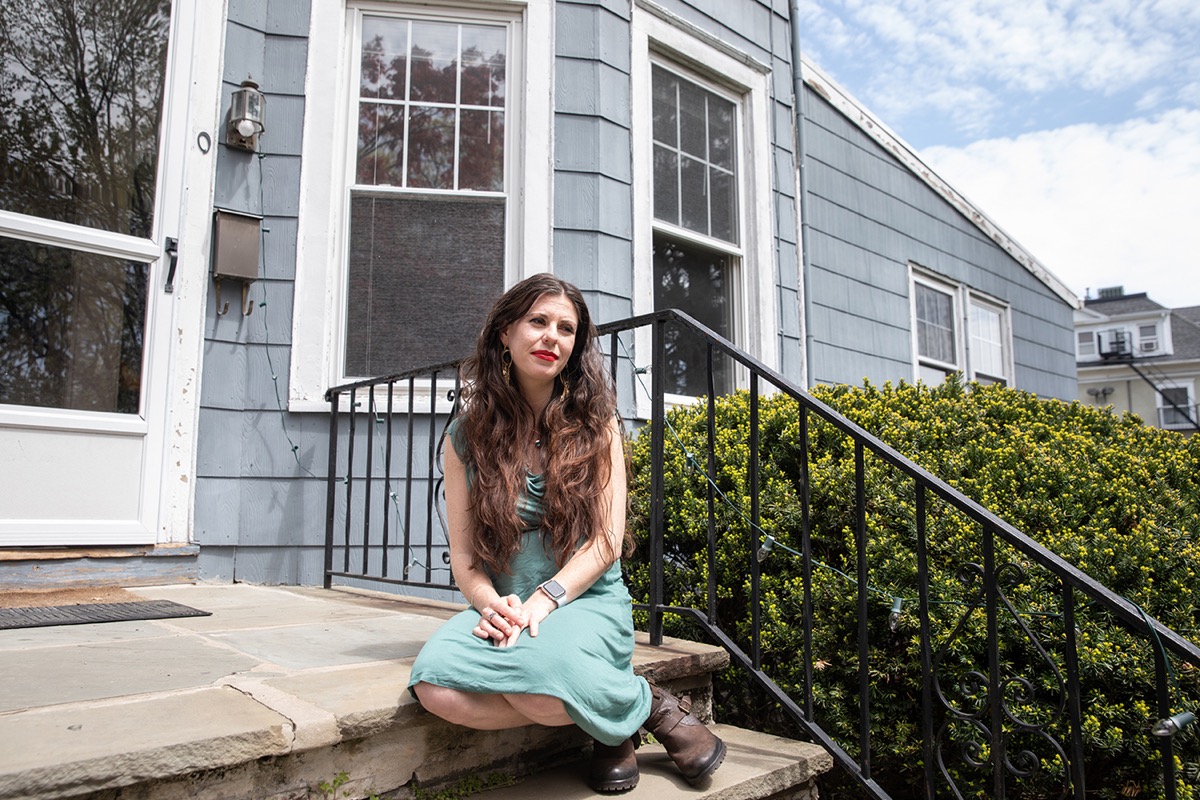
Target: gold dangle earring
column 506, row 364
column 566, row 392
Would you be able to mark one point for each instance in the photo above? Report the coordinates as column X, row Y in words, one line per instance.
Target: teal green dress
column 582, row 654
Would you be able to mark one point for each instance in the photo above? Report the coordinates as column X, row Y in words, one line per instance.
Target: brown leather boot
column 691, row 745
column 613, row 769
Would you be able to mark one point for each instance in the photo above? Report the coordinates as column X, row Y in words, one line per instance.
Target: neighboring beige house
column 1137, row 355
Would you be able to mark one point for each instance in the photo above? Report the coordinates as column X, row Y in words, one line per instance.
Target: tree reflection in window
column 432, row 105
column 696, row 281
column 72, row 328
column 81, row 88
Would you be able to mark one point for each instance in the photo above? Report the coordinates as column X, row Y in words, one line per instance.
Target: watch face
column 554, row 589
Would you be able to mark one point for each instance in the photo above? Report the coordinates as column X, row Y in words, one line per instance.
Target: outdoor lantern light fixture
column 247, row 117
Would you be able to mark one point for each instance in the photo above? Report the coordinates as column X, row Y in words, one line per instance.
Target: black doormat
column 48, row 616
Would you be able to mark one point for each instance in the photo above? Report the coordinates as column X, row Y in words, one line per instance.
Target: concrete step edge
column 757, row 766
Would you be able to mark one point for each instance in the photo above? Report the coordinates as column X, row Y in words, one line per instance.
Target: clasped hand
column 504, row 618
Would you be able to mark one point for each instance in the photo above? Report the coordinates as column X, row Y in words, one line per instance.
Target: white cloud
column 1098, row 205
column 921, row 51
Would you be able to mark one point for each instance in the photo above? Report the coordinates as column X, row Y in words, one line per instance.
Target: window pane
column 431, row 148
column 722, row 137
column 694, row 196
column 666, row 185
column 707, row 188
column 695, row 281
column 935, row 324
column 693, row 120
column 481, row 151
column 483, row 66
column 664, row 107
column 987, row 342
column 72, row 327
column 1087, row 343
column 723, row 205
column 384, row 58
column 423, row 273
column 380, row 144
column 81, row 122
column 434, row 62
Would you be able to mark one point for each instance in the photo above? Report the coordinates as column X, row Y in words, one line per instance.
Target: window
column 427, row 205
column 416, row 205
column 695, row 189
column 703, row 202
column 983, row 355
column 1148, row 338
column 988, row 342
column 79, row 152
column 1175, row 407
column 1086, row 344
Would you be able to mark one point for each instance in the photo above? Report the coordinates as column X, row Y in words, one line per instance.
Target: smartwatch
column 555, row 591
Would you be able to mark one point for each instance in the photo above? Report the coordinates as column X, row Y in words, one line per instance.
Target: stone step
column 279, row 690
column 757, row 766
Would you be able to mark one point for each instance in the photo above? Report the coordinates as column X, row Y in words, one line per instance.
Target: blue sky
column 1073, row 124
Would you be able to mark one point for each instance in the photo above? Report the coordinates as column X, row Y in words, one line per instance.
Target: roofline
column 857, row 113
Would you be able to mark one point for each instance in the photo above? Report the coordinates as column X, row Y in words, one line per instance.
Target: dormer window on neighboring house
column 1148, row 338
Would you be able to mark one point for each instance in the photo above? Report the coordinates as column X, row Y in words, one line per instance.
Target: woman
column 535, row 500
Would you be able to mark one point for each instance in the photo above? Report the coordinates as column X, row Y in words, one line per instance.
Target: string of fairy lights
column 1164, row 727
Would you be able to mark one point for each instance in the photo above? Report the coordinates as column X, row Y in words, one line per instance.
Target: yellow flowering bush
column 1115, row 498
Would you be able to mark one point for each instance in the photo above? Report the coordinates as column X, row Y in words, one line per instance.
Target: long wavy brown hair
column 496, row 424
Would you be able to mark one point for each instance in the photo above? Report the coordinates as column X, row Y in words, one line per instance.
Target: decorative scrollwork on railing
column 1009, row 723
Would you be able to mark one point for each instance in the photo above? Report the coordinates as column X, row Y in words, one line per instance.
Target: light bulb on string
column 894, row 617
column 1173, row 725
column 765, row 549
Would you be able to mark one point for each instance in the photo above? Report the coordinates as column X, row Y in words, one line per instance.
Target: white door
column 96, row 148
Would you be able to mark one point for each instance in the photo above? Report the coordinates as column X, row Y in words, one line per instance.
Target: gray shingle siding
column 259, row 513
column 869, row 218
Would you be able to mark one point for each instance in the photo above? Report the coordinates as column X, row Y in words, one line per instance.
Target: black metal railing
column 980, row 726
column 376, row 497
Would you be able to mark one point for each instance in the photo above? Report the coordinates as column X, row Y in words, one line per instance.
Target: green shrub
column 1119, row 500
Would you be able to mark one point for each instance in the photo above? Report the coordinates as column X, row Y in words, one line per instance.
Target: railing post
column 387, row 481
column 331, row 488
column 995, row 701
column 657, row 435
column 1074, row 710
column 927, row 734
column 711, row 468
column 349, row 481
column 369, row 478
column 755, row 567
column 864, row 653
column 806, row 566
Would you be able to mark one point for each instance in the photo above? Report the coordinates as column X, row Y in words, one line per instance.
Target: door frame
column 167, row 422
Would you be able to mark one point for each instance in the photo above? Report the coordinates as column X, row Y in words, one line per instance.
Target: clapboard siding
column 870, row 218
column 260, row 475
column 253, row 485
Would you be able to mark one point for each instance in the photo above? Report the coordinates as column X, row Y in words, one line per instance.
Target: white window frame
column 977, row 299
column 962, row 297
column 1163, row 406
column 1148, row 343
column 1090, row 355
column 318, row 336
column 661, row 38
column 947, row 367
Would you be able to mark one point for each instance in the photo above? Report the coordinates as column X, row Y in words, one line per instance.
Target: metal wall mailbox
column 237, row 239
